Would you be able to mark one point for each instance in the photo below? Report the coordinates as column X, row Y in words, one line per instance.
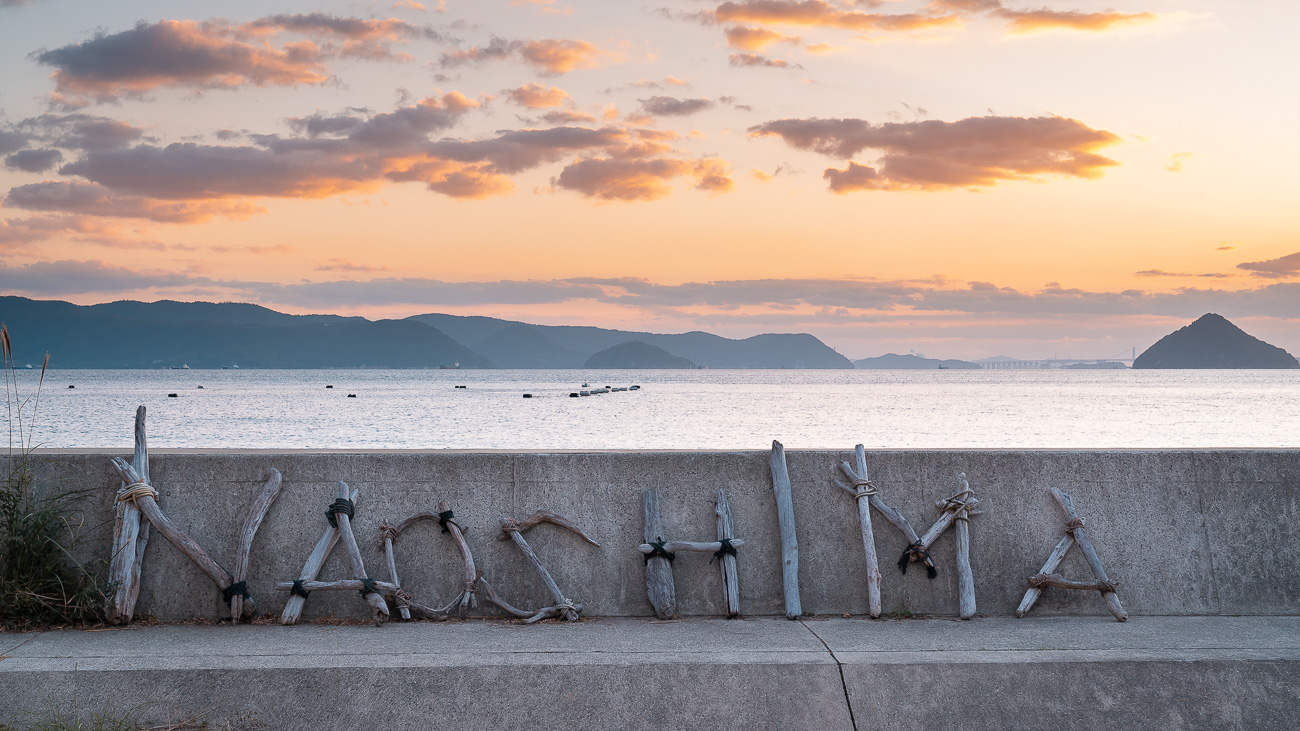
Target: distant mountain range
column 1213, row 342
column 892, row 361
column 166, row 334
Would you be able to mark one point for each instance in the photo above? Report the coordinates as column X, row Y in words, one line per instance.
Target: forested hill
column 166, row 334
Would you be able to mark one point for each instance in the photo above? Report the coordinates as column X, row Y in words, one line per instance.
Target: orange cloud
column 96, row 200
column 818, row 13
column 561, row 56
column 748, row 38
column 759, row 60
column 553, row 57
column 641, row 179
column 937, row 155
column 536, row 96
column 217, row 54
column 1028, row 21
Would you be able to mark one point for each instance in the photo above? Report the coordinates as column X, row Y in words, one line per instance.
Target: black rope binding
column 917, row 549
column 368, row 586
column 239, row 588
column 726, row 550
column 444, row 518
column 298, row 590
column 657, row 549
column 340, row 505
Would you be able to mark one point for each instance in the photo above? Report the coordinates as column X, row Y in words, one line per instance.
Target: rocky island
column 1213, row 342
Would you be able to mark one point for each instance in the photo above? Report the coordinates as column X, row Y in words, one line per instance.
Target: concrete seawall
column 1186, row 532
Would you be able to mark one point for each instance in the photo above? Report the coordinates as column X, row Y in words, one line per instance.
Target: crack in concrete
column 848, row 702
column 5, row 653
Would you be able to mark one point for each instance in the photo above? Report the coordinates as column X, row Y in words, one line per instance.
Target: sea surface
column 704, row 409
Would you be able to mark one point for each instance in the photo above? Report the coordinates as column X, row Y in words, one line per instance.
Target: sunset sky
column 963, row 178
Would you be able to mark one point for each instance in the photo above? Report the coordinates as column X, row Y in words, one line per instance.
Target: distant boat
column 230, row 368
column 943, row 367
column 453, row 367
column 181, row 367
column 28, row 366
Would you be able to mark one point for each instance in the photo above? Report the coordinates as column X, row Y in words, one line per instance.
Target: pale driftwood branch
column 188, row 546
column 727, row 531
column 1054, row 560
column 965, row 577
column 129, row 538
column 862, row 492
column 468, row 596
column 514, row 529
column 1090, row 553
column 256, row 513
column 338, row 585
column 529, row 617
column 895, row 519
column 378, row 606
column 293, row 607
column 1041, row 580
column 789, row 542
column 690, row 546
column 658, row 569
column 543, row 516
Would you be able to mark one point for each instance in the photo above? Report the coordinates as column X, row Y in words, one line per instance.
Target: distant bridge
column 1000, row 364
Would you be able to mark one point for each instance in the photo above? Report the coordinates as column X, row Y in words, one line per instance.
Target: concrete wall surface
column 1185, row 532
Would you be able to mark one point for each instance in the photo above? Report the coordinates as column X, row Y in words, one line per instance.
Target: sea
column 672, row 409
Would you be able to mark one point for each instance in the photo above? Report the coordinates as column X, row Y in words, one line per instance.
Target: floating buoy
column 634, row 388
column 573, row 395
column 200, row 387
column 352, row 395
column 528, row 395
column 71, row 386
column 172, row 395
column 584, row 393
column 330, row 386
column 460, row 387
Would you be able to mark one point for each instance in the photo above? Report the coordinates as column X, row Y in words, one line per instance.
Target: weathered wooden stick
column 1054, row 560
column 338, row 585
column 894, row 517
column 544, row 516
column 491, row 595
column 378, row 606
column 965, row 578
column 868, row 535
column 403, row 607
column 692, row 546
column 293, row 607
column 468, row 596
column 129, row 537
column 149, row 509
column 789, row 542
column 1041, row 580
column 658, row 569
column 1090, row 553
column 256, row 513
column 570, row 614
column 727, row 532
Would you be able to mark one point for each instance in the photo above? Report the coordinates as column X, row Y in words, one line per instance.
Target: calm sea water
column 673, row 409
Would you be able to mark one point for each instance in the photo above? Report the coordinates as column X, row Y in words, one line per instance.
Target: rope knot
column 239, row 588
column 298, row 590
column 1073, row 524
column 657, row 549
column 340, row 505
column 387, row 532
column 129, row 493
column 726, row 550
column 1038, row 581
column 368, row 586
column 1105, row 586
column 863, row 488
column 917, row 552
column 402, row 598
column 444, row 518
column 510, row 525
